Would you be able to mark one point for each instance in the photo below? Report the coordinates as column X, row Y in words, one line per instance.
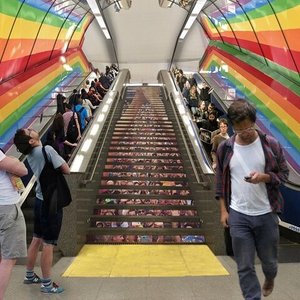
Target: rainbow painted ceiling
column 40, row 49
column 267, row 30
column 35, row 31
column 278, row 106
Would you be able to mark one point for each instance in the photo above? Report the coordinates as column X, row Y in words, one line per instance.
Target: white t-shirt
column 248, row 198
column 8, row 194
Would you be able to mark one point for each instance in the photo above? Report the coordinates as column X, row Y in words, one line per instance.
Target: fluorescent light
column 191, row 131
column 183, row 33
column 100, row 21
column 105, row 108
column 133, row 84
column 96, row 11
column 86, row 145
column 119, row 4
column 190, row 22
column 181, row 109
column 94, row 6
column 197, row 8
column 109, row 100
column 100, row 118
column 94, row 129
column 155, row 84
column 77, row 163
column 106, row 33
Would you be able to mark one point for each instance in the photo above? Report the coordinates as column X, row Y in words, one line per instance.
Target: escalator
column 146, row 193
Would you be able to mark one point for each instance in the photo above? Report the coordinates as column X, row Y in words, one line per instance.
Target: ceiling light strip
column 195, row 12
column 96, row 11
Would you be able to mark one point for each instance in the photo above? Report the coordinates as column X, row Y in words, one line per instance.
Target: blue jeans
column 252, row 234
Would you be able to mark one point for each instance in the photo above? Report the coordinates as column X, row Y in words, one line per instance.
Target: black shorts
column 46, row 227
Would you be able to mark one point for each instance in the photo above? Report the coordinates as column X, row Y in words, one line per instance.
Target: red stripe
column 7, row 85
column 277, row 86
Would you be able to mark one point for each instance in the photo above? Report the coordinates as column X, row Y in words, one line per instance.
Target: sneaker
column 35, row 279
column 52, row 289
column 268, row 287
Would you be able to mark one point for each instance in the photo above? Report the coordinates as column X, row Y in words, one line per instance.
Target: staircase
column 144, row 194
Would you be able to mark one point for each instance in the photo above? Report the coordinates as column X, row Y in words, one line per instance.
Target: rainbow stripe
column 47, row 34
column 266, row 30
column 22, row 96
column 278, row 105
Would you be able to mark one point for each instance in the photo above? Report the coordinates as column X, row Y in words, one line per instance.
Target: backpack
column 55, row 190
column 72, row 131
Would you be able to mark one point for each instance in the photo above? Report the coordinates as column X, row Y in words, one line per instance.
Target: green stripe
column 29, row 13
column 272, row 117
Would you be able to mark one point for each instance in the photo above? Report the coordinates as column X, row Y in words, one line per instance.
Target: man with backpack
column 46, row 225
column 83, row 117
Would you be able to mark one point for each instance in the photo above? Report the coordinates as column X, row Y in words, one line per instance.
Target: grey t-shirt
column 37, row 162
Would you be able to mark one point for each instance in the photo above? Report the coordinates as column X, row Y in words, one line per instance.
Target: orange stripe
column 25, row 47
column 246, row 35
column 273, row 38
column 16, row 91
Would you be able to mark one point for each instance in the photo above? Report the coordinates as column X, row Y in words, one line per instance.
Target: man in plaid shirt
column 250, row 168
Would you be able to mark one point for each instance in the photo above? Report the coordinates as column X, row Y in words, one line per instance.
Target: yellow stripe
column 289, row 19
column 23, row 97
column 5, row 25
column 145, row 261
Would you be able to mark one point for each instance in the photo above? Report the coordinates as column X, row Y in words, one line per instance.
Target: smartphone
column 247, row 177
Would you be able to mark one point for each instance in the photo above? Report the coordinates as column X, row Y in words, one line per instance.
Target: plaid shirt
column 275, row 166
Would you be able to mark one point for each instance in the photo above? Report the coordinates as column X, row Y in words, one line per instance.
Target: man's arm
column 65, row 169
column 13, row 166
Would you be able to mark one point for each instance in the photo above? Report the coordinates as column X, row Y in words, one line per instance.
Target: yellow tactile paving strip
column 145, row 261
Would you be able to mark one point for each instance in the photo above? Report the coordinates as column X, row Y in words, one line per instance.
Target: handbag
column 55, row 189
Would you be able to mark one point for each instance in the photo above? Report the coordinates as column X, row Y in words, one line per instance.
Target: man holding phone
column 250, row 168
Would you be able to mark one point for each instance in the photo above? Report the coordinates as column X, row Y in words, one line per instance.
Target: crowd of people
column 210, row 120
column 47, row 222
column 74, row 113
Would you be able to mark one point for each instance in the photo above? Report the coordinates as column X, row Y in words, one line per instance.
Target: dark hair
column 21, row 140
column 68, row 106
column 241, row 110
column 58, row 122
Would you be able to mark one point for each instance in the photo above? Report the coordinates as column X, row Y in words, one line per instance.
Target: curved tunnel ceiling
column 264, row 29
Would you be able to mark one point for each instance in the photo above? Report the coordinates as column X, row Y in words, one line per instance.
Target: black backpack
column 55, row 190
column 72, row 131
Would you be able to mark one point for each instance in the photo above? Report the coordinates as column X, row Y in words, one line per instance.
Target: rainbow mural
column 35, row 31
column 278, row 107
column 277, row 104
column 38, row 39
column 22, row 97
column 265, row 30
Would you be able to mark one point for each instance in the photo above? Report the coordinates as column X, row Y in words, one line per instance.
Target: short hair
column 241, row 110
column 224, row 121
column 21, row 140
